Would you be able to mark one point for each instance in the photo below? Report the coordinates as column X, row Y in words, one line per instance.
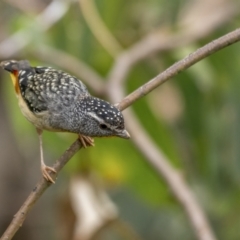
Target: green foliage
column 203, row 142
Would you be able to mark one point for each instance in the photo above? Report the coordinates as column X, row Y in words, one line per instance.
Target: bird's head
column 101, row 119
column 14, row 68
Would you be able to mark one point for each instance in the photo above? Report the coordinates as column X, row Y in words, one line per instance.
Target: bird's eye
column 103, row 126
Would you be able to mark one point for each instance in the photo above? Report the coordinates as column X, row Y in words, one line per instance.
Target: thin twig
column 153, row 154
column 181, row 65
column 179, row 188
column 37, row 192
column 163, row 39
column 172, row 71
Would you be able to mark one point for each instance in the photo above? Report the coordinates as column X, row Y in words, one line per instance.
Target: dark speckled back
column 44, row 88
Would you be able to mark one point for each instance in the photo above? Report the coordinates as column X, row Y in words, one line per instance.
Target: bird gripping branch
column 54, row 100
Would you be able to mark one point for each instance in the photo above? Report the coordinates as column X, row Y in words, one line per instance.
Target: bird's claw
column 45, row 172
column 86, row 141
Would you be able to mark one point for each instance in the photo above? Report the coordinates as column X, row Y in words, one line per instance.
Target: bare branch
column 155, row 157
column 164, row 39
column 173, row 178
column 37, row 192
column 181, row 65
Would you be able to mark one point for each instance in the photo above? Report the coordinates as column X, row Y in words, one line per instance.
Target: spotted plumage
column 41, row 85
column 56, row 101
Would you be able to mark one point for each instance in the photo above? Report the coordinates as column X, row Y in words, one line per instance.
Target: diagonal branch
column 179, row 188
column 42, row 185
column 164, row 39
column 153, row 154
column 37, row 192
column 181, row 65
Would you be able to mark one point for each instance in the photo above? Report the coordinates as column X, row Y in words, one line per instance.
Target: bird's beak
column 124, row 134
column 9, row 65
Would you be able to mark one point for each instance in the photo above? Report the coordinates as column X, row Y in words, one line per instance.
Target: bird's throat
column 14, row 77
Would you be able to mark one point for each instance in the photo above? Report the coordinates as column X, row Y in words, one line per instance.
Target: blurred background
column 111, row 192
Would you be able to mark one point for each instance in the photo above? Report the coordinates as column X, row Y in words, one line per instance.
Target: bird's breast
column 14, row 77
column 38, row 120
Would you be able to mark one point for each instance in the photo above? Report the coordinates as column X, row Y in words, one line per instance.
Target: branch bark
column 37, row 192
column 199, row 222
column 179, row 188
column 181, row 65
column 152, row 152
column 164, row 39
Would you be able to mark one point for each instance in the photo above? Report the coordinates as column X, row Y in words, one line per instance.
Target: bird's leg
column 86, row 141
column 44, row 168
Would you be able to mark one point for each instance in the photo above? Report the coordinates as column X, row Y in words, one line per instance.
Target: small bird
column 54, row 100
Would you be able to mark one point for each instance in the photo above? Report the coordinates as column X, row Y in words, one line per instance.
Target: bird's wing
column 45, row 88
